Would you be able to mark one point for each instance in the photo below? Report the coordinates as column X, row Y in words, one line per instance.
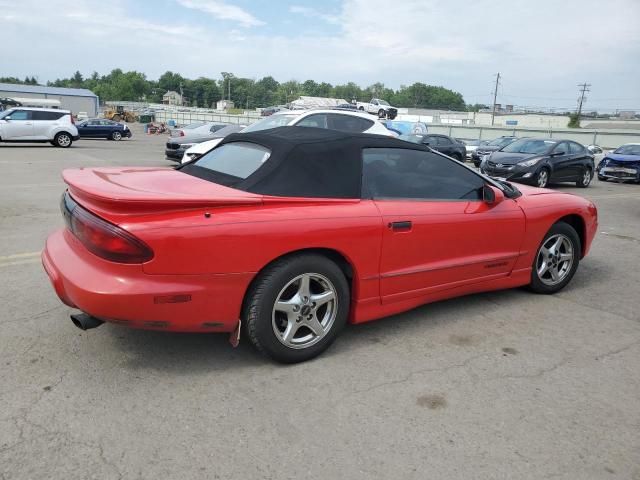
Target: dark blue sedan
column 623, row 164
column 102, row 128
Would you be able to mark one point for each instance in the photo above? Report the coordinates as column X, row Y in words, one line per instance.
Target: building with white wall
column 74, row 99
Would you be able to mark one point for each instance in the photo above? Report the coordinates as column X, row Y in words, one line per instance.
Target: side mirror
column 492, row 195
column 7, row 118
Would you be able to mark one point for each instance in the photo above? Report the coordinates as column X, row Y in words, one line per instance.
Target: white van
column 23, row 124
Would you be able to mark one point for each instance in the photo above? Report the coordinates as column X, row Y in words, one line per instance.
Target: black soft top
column 306, row 162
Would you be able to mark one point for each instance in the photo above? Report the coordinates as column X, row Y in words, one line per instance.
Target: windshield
column 382, row 102
column 501, row 142
column 628, row 150
column 224, row 131
column 527, row 145
column 271, row 122
column 406, row 128
column 237, row 160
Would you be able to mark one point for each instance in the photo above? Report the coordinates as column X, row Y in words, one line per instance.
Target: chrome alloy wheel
column 116, row 136
column 543, row 178
column 555, row 259
column 64, row 140
column 586, row 177
column 304, row 310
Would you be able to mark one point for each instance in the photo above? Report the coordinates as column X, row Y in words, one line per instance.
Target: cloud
column 223, row 11
column 542, row 49
column 313, row 13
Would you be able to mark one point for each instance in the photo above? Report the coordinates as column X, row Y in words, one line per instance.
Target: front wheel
column 297, row 307
column 62, row 140
column 381, row 113
column 556, row 260
column 117, row 136
column 542, row 179
column 585, row 178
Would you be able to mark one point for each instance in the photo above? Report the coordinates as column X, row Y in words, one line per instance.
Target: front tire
column 116, row 136
column 297, row 307
column 542, row 179
column 381, row 113
column 62, row 140
column 556, row 260
column 585, row 178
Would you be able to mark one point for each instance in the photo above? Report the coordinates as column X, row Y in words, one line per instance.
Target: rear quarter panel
column 246, row 239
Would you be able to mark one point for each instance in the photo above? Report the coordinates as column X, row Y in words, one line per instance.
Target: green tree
column 574, row 121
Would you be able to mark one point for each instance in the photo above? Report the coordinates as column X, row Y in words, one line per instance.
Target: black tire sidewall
column 559, row 228
column 266, row 289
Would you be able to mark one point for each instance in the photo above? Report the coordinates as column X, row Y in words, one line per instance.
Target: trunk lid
column 145, row 190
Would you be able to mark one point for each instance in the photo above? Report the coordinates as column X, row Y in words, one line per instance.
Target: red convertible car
column 293, row 232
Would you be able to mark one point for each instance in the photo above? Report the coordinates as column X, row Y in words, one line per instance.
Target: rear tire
column 62, row 140
column 291, row 322
column 381, row 113
column 556, row 259
column 585, row 178
column 457, row 156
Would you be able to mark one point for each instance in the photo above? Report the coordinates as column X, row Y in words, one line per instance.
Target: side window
column 94, row 123
column 398, row 173
column 20, row 115
column 575, row 148
column 318, row 120
column 37, row 115
column 444, row 141
column 431, row 140
column 348, row 123
column 562, row 147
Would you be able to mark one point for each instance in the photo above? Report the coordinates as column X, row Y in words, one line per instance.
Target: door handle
column 400, row 226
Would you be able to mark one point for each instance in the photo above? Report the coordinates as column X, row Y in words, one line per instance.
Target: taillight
column 181, row 133
column 102, row 238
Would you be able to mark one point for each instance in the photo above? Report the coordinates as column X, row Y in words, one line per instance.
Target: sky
column 543, row 49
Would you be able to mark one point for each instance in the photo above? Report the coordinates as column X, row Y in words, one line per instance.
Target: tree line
column 248, row 93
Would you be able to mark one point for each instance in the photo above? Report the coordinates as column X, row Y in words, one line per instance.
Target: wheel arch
column 337, row 257
column 579, row 225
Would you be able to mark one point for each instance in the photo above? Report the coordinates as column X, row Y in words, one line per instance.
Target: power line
column 585, row 88
column 495, row 96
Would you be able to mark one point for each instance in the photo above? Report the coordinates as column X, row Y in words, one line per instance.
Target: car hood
column 148, row 189
column 622, row 158
column 507, row 158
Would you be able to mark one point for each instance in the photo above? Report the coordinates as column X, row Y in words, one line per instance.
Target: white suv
column 334, row 119
column 21, row 124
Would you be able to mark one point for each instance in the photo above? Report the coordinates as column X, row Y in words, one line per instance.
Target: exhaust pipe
column 84, row 321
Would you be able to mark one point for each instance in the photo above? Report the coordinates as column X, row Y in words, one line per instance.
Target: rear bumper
column 174, row 154
column 125, row 295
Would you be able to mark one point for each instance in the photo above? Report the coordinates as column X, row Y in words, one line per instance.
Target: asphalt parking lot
column 502, row 385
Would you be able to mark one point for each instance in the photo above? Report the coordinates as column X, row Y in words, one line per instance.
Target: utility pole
column 495, row 96
column 584, row 89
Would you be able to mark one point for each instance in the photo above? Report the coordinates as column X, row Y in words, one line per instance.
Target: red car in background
column 293, row 232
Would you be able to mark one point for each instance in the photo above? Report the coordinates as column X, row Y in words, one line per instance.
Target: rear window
column 237, row 159
column 37, row 115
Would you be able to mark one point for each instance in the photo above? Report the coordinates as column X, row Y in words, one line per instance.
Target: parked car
column 472, row 145
column 403, row 127
column 494, row 145
column 343, row 120
column 440, row 143
column 293, row 232
column 271, row 110
column 25, row 124
column 541, row 161
column 378, row 107
column 101, row 128
column 183, row 131
column 622, row 164
column 347, row 106
column 177, row 146
column 6, row 102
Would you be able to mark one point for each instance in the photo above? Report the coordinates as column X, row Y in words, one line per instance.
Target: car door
column 560, row 162
column 43, row 122
column 18, row 125
column 438, row 232
column 105, row 128
column 445, row 145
